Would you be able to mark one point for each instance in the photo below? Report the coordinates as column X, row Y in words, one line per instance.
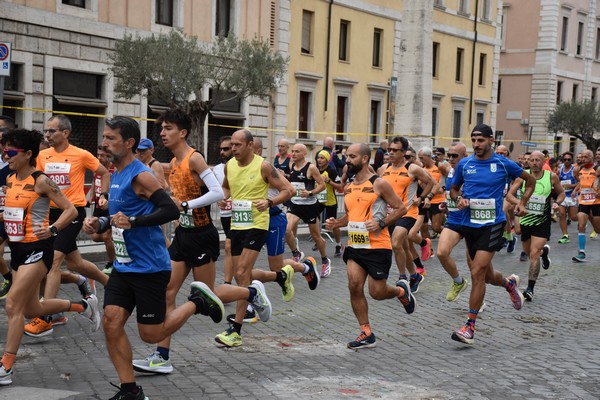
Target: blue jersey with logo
column 483, row 183
column 144, row 247
column 455, row 216
column 567, row 178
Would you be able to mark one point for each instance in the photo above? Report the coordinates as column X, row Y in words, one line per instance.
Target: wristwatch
column 422, row 198
column 382, row 224
column 131, row 221
column 270, row 202
column 185, row 206
column 53, row 230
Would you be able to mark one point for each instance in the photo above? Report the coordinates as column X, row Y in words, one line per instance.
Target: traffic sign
column 5, row 53
column 529, row 144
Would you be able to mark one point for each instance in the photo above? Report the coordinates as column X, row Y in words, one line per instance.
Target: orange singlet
column 587, row 192
column 360, row 201
column 404, row 186
column 24, row 208
column 437, row 175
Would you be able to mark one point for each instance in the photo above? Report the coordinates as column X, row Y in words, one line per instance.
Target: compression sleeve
column 165, row 210
column 214, row 194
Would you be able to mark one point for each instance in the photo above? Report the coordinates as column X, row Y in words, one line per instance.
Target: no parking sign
column 5, row 58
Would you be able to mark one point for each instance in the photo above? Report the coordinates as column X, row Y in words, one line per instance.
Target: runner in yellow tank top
column 369, row 254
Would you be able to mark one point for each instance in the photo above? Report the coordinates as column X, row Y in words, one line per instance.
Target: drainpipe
column 473, row 60
column 328, row 55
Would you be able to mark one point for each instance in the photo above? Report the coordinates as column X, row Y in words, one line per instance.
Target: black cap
column 482, row 130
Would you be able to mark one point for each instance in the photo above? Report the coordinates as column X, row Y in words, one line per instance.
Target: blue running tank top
column 567, row 178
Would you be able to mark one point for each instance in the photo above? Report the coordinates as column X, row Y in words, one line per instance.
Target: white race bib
column 13, row 223
column 322, row 196
column 588, row 196
column 536, row 205
column 358, row 235
column 299, row 186
column 59, row 173
column 450, row 204
column 120, row 248
column 186, row 219
column 483, row 211
column 241, row 214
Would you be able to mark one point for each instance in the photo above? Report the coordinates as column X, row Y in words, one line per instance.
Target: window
column 459, row 64
column 575, row 93
column 463, row 6
column 563, row 35
column 559, row 86
column 597, row 44
column 434, row 121
column 341, row 117
column 435, row 60
column 74, row 3
column 12, row 81
column 457, row 124
column 439, row 3
column 377, row 34
column 486, row 9
column 344, row 36
column 77, row 84
column 304, row 114
column 499, row 90
column 374, row 121
column 164, row 12
column 223, row 18
column 480, row 117
column 307, row 18
column 579, row 38
column 594, row 94
column 482, row 67
column 504, row 22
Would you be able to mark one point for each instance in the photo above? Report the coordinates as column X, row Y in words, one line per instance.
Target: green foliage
column 578, row 119
column 173, row 67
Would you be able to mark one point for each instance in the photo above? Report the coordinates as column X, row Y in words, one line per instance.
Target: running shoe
column 504, row 243
column 315, row 248
column 326, row 269
column 212, row 305
column 312, row 277
column 38, row 327
column 92, row 312
column 297, row 256
column 87, row 288
column 580, row 257
column 124, row 395
column 523, row 256
column 545, row 258
column 511, row 245
column 465, row 334
column 593, row 235
column 415, row 283
column 249, row 318
column 456, row 290
column 513, row 289
column 229, row 338
column 435, row 235
column 154, row 363
column 565, row 239
column 426, row 250
column 287, row 287
column 482, row 308
column 4, row 288
column 5, row 376
column 108, row 268
column 363, row 341
column 59, row 319
column 422, row 271
column 339, row 250
column 528, row 294
column 260, row 302
column 408, row 300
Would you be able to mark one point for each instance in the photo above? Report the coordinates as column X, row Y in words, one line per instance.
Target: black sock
column 280, row 276
column 252, row 293
column 226, row 283
column 130, row 387
column 199, row 303
column 237, row 327
column 418, row 262
column 324, row 260
column 163, row 351
column 530, row 284
column 8, row 276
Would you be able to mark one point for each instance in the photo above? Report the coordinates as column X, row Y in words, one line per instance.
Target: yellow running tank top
column 246, row 186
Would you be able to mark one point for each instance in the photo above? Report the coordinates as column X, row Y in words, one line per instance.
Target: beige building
column 60, row 59
column 550, row 53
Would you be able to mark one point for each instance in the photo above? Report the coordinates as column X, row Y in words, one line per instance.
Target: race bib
column 59, row 173
column 536, row 205
column 97, row 187
column 567, row 182
column 450, row 204
column 587, row 196
column 120, row 248
column 483, row 211
column 186, row 219
column 322, row 196
column 13, row 223
column 241, row 215
column 2, row 198
column 299, row 186
column 228, row 206
column 358, row 235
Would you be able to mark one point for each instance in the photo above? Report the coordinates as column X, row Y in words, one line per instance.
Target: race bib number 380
column 483, row 211
column 59, row 173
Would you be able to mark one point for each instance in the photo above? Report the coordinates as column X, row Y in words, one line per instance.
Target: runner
column 589, row 200
column 568, row 208
column 482, row 178
column 327, row 198
column 28, row 197
column 369, row 252
column 536, row 223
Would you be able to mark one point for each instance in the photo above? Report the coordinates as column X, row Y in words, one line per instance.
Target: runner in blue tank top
column 138, row 206
column 568, row 207
column 478, row 188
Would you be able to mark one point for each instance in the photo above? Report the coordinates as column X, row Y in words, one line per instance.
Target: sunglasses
column 392, row 150
column 225, row 148
column 567, row 159
column 453, row 155
column 12, row 152
column 408, row 156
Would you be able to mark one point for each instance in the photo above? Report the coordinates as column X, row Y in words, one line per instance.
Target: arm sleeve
column 165, row 210
column 215, row 191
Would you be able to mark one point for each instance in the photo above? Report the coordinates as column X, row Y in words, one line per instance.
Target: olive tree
column 580, row 119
